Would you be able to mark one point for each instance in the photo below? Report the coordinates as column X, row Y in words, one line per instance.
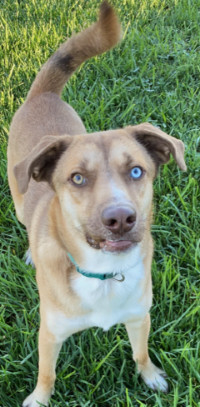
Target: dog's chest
column 111, row 301
column 104, row 303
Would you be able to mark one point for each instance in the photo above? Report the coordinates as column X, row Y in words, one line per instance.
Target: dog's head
column 103, row 180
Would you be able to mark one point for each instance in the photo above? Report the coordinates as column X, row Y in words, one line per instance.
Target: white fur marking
column 28, row 258
column 98, row 261
column 118, row 194
column 104, row 303
column 154, row 378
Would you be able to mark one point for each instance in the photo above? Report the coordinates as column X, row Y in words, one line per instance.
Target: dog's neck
column 116, row 276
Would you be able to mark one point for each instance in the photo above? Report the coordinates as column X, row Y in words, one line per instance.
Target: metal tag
column 119, row 279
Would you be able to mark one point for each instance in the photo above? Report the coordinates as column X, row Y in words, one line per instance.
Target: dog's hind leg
column 138, row 336
column 28, row 258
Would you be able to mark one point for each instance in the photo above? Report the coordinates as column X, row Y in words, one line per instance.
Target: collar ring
column 119, row 280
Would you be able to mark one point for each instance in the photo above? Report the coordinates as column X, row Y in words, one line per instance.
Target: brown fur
column 48, row 144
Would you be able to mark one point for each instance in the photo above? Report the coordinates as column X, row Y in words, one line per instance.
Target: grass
column 153, row 75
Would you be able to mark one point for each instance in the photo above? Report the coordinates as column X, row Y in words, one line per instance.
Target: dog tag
column 120, row 279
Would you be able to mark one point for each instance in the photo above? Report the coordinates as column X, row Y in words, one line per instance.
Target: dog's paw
column 36, row 399
column 154, row 378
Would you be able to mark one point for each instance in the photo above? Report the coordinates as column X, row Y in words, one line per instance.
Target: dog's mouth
column 119, row 245
column 116, row 245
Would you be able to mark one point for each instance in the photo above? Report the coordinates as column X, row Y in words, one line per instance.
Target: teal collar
column 105, row 276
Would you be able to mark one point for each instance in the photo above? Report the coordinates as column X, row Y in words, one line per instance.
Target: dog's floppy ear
column 41, row 161
column 159, row 144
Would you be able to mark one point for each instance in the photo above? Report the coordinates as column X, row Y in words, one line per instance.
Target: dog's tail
column 98, row 38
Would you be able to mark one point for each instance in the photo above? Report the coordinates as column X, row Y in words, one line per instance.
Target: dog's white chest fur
column 110, row 302
column 104, row 303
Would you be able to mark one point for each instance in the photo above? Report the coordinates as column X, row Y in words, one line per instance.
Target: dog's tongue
column 115, row 246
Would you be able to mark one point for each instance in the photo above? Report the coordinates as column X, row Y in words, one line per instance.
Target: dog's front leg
column 49, row 350
column 138, row 335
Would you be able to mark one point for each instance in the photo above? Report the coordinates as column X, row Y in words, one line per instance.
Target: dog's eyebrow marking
column 87, row 164
column 129, row 160
column 83, row 165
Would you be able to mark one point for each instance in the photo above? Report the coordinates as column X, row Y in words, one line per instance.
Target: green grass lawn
column 153, row 75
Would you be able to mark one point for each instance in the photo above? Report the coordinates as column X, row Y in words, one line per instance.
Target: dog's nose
column 118, row 219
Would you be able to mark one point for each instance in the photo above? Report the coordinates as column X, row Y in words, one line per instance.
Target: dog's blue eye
column 78, row 179
column 136, row 172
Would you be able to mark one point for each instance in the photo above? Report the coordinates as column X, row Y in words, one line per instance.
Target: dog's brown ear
column 41, row 161
column 159, row 144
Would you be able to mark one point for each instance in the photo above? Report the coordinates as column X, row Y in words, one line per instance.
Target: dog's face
column 104, row 184
column 103, row 180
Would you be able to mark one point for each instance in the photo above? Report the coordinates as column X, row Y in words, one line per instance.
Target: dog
column 86, row 202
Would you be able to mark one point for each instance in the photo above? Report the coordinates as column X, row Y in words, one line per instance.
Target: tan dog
column 86, row 201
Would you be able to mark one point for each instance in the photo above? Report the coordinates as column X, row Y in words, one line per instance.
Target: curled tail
column 94, row 40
